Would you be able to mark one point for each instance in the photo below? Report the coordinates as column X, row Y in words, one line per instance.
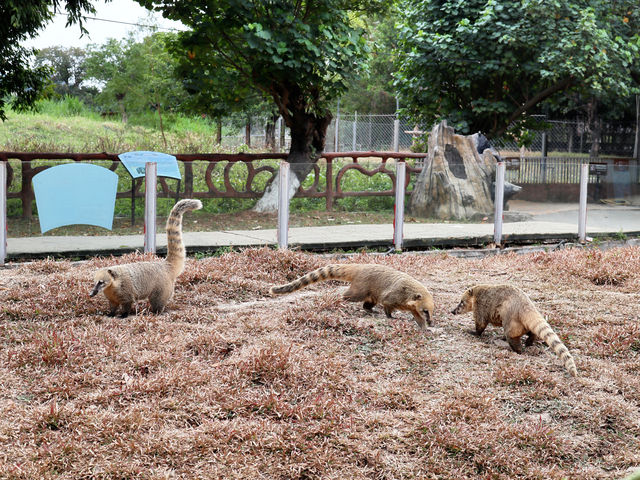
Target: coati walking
column 373, row 284
column 124, row 284
column 511, row 308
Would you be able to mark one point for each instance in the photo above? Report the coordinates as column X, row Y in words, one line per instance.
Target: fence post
column 398, row 224
column 283, row 205
column 329, row 187
column 498, row 203
column 336, row 135
column 355, row 131
column 396, row 135
column 150, row 185
column 3, row 212
column 582, row 212
column 544, row 152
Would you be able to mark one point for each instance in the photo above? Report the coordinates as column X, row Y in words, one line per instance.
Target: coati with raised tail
column 373, row 284
column 511, row 308
column 124, row 284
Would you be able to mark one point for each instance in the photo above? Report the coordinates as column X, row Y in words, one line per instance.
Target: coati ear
column 417, row 296
column 112, row 272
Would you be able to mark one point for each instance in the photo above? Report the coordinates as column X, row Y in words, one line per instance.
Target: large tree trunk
column 308, row 132
column 456, row 181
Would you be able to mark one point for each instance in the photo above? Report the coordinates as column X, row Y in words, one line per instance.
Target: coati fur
column 373, row 284
column 123, row 285
column 511, row 308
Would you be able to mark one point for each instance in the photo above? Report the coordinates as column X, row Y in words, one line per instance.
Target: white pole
column 498, row 203
column 3, row 212
column 278, row 144
column 396, row 135
column 150, row 185
column 582, row 213
column 401, row 176
column 336, row 136
column 355, row 129
column 283, row 205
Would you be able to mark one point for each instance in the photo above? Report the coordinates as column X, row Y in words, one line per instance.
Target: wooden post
column 498, row 201
column 401, row 176
column 3, row 212
column 582, row 212
column 150, row 185
column 283, row 205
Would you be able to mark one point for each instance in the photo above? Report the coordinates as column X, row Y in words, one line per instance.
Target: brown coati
column 511, row 308
column 373, row 284
column 124, row 284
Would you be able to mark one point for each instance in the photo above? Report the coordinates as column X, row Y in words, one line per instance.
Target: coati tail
column 175, row 246
column 543, row 331
column 338, row 272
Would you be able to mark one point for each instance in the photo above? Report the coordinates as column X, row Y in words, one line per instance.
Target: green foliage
column 373, row 91
column 136, row 76
column 21, row 84
column 68, row 69
column 485, row 65
column 301, row 54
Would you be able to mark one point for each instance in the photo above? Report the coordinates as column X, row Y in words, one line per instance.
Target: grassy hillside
column 59, row 127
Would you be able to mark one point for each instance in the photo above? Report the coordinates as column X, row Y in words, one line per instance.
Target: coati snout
column 102, row 280
column 466, row 303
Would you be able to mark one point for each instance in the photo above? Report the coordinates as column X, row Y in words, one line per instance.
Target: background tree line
column 492, row 66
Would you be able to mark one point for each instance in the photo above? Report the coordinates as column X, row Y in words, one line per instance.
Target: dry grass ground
column 233, row 383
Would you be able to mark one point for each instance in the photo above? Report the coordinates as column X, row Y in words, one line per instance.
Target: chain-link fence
column 565, row 136
column 355, row 132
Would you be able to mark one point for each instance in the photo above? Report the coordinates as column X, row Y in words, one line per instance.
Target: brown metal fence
column 331, row 190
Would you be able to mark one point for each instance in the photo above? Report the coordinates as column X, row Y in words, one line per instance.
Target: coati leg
column 158, row 301
column 530, row 339
column 388, row 311
column 368, row 306
column 113, row 307
column 126, row 309
column 515, row 343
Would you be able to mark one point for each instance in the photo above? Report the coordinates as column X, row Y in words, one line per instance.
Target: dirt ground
column 231, row 382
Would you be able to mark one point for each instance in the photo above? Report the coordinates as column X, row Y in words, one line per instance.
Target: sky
column 56, row 34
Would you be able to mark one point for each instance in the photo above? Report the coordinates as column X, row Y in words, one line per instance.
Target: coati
column 124, row 284
column 511, row 308
column 373, row 284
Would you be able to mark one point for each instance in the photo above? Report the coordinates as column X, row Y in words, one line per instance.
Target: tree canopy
column 485, row 65
column 22, row 19
column 300, row 53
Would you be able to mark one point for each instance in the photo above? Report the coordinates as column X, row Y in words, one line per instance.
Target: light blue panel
column 75, row 193
column 134, row 163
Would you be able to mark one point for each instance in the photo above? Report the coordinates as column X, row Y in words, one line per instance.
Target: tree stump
column 456, row 181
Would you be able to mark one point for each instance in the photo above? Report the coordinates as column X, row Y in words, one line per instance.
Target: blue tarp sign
column 75, row 194
column 134, row 162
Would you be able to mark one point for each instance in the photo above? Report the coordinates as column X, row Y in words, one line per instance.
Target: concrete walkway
column 416, row 235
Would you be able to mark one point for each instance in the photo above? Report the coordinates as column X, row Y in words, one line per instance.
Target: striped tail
column 543, row 331
column 338, row 272
column 175, row 246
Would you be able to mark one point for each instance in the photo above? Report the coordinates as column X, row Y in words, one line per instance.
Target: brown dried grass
column 232, row 383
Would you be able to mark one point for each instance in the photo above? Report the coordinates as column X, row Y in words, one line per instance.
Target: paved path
column 416, row 235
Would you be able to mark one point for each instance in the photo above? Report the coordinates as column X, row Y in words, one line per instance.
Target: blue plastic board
column 75, row 193
column 134, row 163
